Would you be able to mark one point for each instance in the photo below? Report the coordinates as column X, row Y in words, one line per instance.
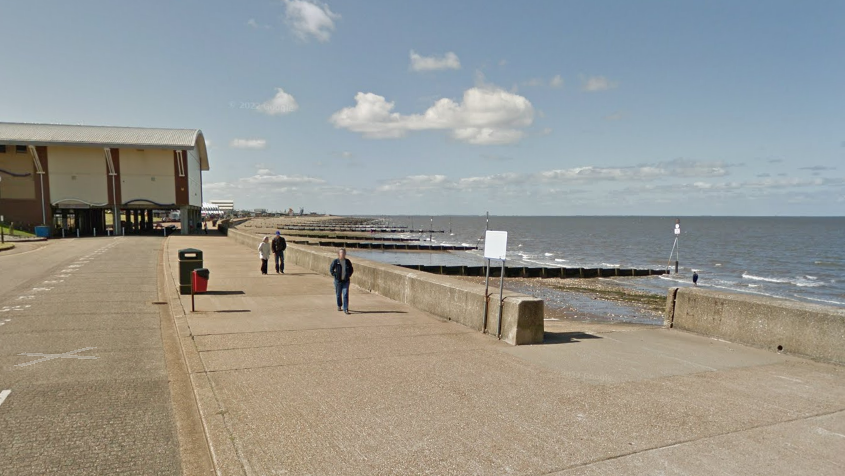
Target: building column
column 149, row 220
column 184, row 215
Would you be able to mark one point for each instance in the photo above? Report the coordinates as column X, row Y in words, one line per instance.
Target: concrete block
column 779, row 325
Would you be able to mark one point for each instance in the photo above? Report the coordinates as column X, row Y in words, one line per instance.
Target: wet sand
column 590, row 300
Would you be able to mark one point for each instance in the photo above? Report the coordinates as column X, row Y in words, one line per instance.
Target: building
column 72, row 177
column 225, row 206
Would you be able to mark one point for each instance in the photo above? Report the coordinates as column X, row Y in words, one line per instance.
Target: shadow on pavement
column 377, row 312
column 566, row 337
column 223, row 293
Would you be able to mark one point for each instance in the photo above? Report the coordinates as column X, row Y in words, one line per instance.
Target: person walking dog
column 341, row 270
column 264, row 253
column 279, row 246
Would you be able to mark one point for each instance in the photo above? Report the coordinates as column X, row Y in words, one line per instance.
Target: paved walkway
column 288, row 385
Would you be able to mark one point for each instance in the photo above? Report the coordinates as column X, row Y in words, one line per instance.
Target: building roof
column 104, row 136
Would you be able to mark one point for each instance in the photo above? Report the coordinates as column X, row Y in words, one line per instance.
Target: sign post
column 495, row 247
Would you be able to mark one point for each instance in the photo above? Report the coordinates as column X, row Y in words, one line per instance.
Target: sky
column 389, row 107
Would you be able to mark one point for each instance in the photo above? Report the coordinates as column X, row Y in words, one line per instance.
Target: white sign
column 677, row 228
column 496, row 245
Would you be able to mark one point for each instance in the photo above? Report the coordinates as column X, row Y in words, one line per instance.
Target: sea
column 796, row 258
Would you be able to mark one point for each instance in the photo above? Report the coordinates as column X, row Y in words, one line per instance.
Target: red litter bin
column 199, row 280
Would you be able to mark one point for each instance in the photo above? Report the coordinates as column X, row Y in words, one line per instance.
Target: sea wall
column 522, row 315
column 780, row 325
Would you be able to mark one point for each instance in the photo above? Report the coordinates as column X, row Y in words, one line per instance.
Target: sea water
column 798, row 258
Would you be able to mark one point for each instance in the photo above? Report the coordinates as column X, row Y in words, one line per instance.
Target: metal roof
column 104, row 136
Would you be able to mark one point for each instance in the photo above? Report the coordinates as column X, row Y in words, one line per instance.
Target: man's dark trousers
column 280, row 261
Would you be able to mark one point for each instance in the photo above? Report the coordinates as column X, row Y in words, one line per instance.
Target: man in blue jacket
column 341, row 270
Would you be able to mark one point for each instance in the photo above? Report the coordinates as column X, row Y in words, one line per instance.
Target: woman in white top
column 264, row 253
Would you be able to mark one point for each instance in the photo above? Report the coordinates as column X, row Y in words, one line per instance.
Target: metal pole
column 486, row 296
column 501, row 300
column 193, row 309
column 487, row 226
column 430, row 229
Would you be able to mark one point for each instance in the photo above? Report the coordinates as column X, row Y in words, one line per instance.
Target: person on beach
column 264, row 253
column 341, row 270
column 695, row 278
column 279, row 246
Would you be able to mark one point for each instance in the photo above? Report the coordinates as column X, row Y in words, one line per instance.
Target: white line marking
column 20, row 298
column 46, row 357
column 3, row 395
column 54, row 281
column 41, row 289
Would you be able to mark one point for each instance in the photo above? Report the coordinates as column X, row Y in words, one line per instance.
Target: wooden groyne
column 349, row 237
column 535, row 272
column 385, row 246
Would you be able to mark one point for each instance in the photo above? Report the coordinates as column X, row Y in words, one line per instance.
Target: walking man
column 279, row 246
column 341, row 270
column 694, row 278
column 264, row 253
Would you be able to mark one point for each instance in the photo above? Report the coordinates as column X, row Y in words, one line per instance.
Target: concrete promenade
column 285, row 384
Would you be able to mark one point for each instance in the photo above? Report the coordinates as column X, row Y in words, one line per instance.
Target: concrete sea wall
column 522, row 315
column 807, row 330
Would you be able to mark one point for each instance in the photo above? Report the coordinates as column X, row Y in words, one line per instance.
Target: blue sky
column 446, row 107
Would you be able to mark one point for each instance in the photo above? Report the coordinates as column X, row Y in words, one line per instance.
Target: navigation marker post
column 676, row 247
column 495, row 247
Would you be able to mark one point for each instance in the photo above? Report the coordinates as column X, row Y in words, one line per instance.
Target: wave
column 560, row 260
column 549, row 254
column 832, row 264
column 611, row 265
column 801, row 281
column 763, row 278
column 823, row 300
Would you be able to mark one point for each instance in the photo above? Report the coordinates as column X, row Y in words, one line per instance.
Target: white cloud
column 254, row 24
column 672, row 168
column 504, row 62
column 486, row 115
column 281, row 103
column 616, row 116
column 248, row 143
column 556, row 82
column 597, row 83
column 264, row 178
column 534, row 82
column 490, row 181
column 310, row 19
column 417, row 183
column 433, row 63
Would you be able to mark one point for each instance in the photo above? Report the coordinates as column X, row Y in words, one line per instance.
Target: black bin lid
column 190, row 253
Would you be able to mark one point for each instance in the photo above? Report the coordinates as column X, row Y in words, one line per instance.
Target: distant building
column 225, row 206
column 64, row 176
column 260, row 210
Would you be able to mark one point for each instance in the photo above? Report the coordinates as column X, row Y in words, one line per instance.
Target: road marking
column 46, row 357
column 54, row 281
column 3, row 395
column 40, row 289
column 62, row 275
column 23, row 298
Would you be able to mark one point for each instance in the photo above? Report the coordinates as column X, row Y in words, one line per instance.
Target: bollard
column 63, row 232
column 77, row 232
column 95, row 232
column 164, row 230
column 123, row 230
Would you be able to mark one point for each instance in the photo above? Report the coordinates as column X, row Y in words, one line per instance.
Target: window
column 2, row 148
column 20, row 149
